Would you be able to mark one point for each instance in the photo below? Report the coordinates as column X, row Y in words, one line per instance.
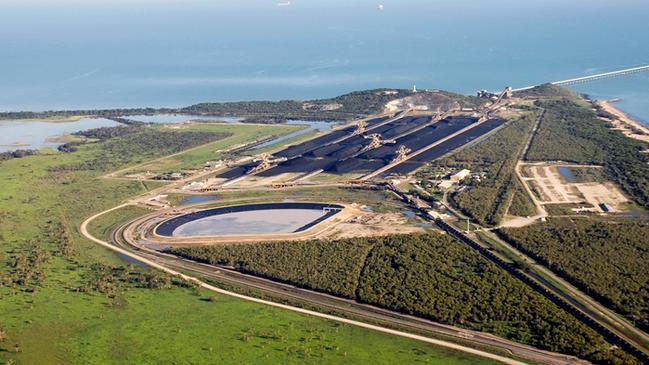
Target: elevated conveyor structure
column 600, row 76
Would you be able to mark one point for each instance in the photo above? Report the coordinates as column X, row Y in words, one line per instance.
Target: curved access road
column 174, row 265
column 84, row 231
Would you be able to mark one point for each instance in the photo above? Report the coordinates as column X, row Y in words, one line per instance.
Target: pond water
column 312, row 126
column 179, row 118
column 250, row 222
column 16, row 135
column 566, row 174
column 197, row 199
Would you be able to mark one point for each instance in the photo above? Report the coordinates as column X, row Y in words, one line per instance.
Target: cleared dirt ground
column 373, row 224
column 550, row 187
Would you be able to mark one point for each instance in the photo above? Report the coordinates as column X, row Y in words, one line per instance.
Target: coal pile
column 346, row 156
column 307, row 146
column 299, row 164
column 355, row 165
column 445, row 147
column 236, row 172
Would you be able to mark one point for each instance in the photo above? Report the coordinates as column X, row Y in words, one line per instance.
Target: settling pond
column 248, row 220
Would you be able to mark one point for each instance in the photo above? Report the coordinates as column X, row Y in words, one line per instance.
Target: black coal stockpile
column 444, row 147
column 325, row 150
column 382, row 152
column 307, row 146
column 396, row 131
column 375, row 121
column 459, row 140
column 404, row 168
column 236, row 172
column 345, row 157
column 435, row 132
column 355, row 140
column 403, row 126
column 346, row 152
column 355, row 165
column 299, row 164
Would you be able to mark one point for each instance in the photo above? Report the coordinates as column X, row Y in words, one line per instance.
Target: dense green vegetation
column 104, row 113
column 347, row 106
column 487, row 199
column 430, row 275
column 329, row 266
column 16, row 154
column 64, row 300
column 237, row 135
column 104, row 133
column 546, row 91
column 586, row 174
column 606, row 259
column 570, row 131
column 101, row 134
column 145, row 144
column 521, row 204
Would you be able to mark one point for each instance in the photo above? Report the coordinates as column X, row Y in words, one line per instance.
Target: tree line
column 570, row 131
column 144, row 143
column 428, row 275
column 16, row 154
column 607, row 259
column 487, row 198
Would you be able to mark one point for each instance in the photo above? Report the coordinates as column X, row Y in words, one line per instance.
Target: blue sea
column 65, row 54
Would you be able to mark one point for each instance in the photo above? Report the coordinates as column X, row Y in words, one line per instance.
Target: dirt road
column 156, row 263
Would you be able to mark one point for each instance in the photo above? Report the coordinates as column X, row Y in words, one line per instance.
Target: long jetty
column 605, row 75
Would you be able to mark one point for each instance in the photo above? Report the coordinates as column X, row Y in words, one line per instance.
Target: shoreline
column 624, row 122
column 55, row 119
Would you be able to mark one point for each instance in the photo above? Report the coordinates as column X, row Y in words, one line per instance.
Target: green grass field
column 45, row 319
column 180, row 327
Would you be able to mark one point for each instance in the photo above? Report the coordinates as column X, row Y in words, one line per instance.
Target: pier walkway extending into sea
column 605, row 75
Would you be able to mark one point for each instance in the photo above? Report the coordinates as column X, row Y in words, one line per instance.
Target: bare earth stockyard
column 554, row 183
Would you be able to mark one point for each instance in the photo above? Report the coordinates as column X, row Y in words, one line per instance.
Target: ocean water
column 67, row 54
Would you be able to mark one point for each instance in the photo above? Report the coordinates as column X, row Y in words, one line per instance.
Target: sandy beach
column 628, row 126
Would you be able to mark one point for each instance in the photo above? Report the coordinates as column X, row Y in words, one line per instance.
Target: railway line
column 568, row 303
column 594, row 316
column 549, row 291
column 332, row 304
column 417, row 140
